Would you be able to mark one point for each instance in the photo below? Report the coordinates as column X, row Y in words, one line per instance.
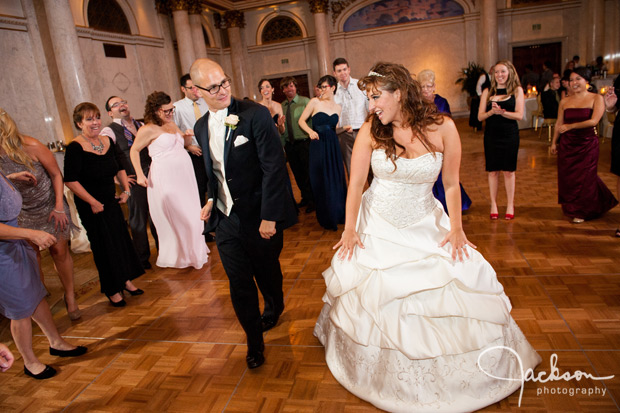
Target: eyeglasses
column 190, row 87
column 216, row 88
column 323, row 87
column 117, row 104
column 168, row 111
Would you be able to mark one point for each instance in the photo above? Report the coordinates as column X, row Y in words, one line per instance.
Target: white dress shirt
column 354, row 104
column 184, row 115
column 217, row 130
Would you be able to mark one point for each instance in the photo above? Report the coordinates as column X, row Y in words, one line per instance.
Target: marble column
column 319, row 10
column 163, row 12
column 67, row 52
column 596, row 33
column 182, row 29
column 234, row 21
column 195, row 22
column 488, row 20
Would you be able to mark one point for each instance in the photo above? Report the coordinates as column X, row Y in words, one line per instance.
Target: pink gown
column 174, row 204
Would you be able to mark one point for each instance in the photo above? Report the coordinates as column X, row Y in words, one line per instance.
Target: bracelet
column 127, row 193
column 59, row 212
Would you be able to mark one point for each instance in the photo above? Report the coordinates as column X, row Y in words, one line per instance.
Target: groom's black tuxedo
column 256, row 175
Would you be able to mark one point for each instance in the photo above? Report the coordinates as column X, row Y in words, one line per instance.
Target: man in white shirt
column 186, row 112
column 354, row 108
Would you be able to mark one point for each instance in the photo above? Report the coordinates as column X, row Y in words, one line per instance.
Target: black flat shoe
column 147, row 265
column 267, row 323
column 255, row 359
column 135, row 292
column 45, row 374
column 78, row 351
column 121, row 303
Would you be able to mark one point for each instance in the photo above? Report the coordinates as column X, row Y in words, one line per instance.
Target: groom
column 249, row 200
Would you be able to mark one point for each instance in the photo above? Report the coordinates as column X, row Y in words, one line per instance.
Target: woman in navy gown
column 427, row 80
column 580, row 191
column 326, row 168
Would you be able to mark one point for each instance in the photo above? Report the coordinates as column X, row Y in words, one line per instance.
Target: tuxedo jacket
column 255, row 168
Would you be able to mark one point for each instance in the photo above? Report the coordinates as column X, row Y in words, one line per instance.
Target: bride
column 414, row 317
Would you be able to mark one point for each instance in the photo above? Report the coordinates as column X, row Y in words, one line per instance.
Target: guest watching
column 296, row 141
column 354, row 109
column 530, row 78
column 501, row 106
column 186, row 112
column 550, row 98
column 122, row 131
column 44, row 206
column 171, row 186
column 22, row 295
column 265, row 88
column 581, row 192
column 426, row 78
column 612, row 104
column 91, row 163
column 546, row 76
column 329, row 185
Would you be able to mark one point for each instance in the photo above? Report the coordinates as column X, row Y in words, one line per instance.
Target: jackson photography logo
column 543, row 377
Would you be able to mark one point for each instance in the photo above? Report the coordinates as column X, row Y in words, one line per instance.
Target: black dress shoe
column 147, row 265
column 121, row 303
column 255, row 359
column 78, row 351
column 268, row 322
column 311, row 208
column 209, row 237
column 135, row 292
column 45, row 374
column 302, row 203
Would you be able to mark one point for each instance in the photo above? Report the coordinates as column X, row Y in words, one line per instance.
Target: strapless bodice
column 574, row 115
column 403, row 195
column 165, row 143
column 322, row 121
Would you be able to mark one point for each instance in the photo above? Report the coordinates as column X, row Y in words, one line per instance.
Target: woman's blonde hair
column 426, row 75
column 12, row 142
column 511, row 84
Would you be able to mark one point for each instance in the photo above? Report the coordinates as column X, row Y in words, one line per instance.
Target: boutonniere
column 231, row 121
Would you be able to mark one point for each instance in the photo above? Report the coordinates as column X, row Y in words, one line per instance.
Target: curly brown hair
column 154, row 102
column 417, row 112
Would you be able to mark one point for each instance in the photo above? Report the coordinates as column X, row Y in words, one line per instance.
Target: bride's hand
column 347, row 242
column 458, row 240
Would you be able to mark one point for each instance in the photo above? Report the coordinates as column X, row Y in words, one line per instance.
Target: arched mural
column 388, row 12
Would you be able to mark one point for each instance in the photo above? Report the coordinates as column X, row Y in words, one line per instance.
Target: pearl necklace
column 96, row 148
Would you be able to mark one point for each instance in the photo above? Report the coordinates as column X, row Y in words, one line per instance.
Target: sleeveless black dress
column 501, row 138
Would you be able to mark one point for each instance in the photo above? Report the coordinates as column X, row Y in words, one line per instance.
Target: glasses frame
column 213, row 90
column 117, row 104
column 167, row 112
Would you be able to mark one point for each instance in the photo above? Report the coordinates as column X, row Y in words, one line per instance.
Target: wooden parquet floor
column 179, row 348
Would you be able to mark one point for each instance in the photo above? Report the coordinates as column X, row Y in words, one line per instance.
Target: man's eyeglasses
column 117, row 104
column 190, row 87
column 168, row 111
column 216, row 88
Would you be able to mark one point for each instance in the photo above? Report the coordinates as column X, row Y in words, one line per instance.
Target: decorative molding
column 163, row 7
column 88, row 33
column 195, row 7
column 178, row 5
column 13, row 23
column 319, row 6
column 338, row 6
column 234, row 18
column 269, row 17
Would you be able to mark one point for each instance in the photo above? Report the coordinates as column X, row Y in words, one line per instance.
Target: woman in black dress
column 501, row 106
column 612, row 105
column 91, row 163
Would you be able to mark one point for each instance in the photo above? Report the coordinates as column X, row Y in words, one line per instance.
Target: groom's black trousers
column 247, row 257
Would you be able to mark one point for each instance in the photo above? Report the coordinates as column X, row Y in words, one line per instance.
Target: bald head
column 212, row 82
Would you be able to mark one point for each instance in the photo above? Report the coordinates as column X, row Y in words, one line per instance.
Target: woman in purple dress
column 427, row 80
column 580, row 191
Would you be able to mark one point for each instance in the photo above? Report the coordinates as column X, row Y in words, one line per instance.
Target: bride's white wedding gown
column 403, row 325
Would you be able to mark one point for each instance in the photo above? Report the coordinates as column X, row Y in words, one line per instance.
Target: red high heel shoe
column 494, row 217
column 509, row 217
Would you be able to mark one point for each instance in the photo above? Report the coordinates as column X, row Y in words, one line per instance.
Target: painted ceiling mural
column 388, row 12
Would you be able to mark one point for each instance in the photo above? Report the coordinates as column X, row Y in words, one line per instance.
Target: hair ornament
column 371, row 73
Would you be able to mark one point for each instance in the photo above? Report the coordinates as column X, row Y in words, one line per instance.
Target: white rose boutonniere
column 231, row 121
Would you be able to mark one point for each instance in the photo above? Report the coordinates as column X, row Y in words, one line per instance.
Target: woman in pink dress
column 171, row 186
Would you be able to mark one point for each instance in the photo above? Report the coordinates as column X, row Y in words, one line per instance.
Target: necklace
column 96, row 148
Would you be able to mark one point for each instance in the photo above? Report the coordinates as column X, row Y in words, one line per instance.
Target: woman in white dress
column 413, row 315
